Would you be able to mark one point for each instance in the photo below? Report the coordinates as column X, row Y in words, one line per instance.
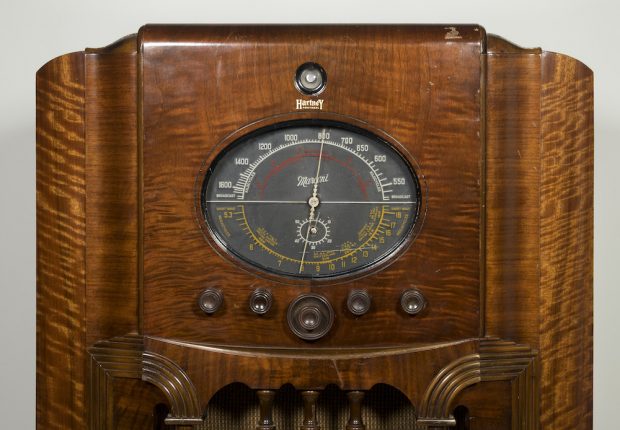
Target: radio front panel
column 399, row 185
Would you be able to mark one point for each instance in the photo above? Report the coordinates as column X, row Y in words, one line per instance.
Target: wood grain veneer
column 513, row 194
column 566, row 230
column 503, row 137
column 112, row 194
column 61, row 239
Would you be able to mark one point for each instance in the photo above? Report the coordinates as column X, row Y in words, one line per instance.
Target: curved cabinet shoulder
column 61, row 242
column 566, row 242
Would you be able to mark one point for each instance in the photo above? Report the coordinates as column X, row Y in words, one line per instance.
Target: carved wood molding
column 125, row 357
column 497, row 360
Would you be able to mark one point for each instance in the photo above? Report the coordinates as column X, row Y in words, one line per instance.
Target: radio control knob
column 261, row 301
column 210, row 300
column 413, row 301
column 310, row 316
column 358, row 302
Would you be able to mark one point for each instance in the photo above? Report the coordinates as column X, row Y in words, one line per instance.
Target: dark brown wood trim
column 512, row 197
column 112, row 195
column 125, row 357
column 497, row 360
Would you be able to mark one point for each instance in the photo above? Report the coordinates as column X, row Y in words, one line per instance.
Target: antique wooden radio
column 333, row 227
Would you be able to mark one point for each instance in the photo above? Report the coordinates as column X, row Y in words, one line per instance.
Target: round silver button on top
column 310, row 78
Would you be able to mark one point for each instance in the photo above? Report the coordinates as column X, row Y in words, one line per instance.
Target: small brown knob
column 261, row 301
column 412, row 301
column 310, row 316
column 358, row 302
column 210, row 300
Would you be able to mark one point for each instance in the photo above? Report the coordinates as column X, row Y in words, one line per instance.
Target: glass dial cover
column 310, row 199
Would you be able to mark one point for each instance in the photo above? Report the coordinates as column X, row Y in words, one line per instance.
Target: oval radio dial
column 310, row 199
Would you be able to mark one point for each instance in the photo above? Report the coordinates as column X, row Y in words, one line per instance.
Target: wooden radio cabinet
column 332, row 227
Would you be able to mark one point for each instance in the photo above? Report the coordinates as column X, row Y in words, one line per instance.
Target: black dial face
column 311, row 199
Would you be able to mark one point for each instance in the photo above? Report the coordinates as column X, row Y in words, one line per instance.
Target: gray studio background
column 34, row 32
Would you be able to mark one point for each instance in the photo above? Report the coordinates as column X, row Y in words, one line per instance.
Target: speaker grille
column 235, row 407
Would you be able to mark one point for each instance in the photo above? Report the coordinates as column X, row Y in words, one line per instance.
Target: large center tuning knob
column 310, row 316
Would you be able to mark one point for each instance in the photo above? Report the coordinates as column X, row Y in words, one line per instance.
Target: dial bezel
column 307, row 119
